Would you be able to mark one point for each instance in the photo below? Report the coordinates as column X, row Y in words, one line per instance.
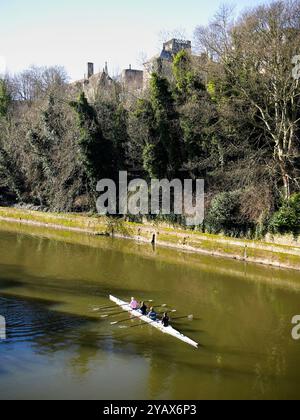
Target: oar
column 95, row 309
column 190, row 317
column 119, row 313
column 129, row 319
column 113, row 314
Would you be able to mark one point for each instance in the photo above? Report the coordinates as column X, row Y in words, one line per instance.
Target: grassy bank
column 273, row 254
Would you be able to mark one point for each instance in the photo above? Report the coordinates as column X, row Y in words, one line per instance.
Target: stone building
column 94, row 83
column 133, row 80
column 162, row 63
column 173, row 47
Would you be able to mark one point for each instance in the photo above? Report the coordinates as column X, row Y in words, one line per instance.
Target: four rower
column 134, row 305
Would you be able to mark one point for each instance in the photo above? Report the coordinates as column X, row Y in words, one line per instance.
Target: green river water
column 58, row 347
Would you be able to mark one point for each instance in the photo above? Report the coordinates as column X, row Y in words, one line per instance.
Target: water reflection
column 242, row 320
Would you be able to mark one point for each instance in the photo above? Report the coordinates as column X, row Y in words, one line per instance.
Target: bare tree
column 256, row 56
column 38, row 82
column 215, row 39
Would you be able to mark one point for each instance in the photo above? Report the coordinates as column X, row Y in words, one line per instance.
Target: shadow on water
column 32, row 320
column 56, row 284
column 48, row 301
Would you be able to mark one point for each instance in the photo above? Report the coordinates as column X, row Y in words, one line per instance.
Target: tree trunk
column 286, row 179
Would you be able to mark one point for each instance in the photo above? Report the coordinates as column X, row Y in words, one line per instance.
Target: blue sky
column 73, row 32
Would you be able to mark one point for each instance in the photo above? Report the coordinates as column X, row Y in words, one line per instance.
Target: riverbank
column 274, row 252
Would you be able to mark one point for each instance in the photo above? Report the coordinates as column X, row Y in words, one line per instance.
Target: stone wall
column 132, row 79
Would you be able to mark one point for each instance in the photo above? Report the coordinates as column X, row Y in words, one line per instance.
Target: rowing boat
column 156, row 324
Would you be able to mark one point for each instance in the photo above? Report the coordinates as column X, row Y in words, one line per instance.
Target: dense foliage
column 287, row 219
column 229, row 115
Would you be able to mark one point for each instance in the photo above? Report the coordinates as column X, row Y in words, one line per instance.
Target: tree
column 5, row 98
column 163, row 153
column 96, row 150
column 113, row 118
column 120, row 136
column 38, row 82
column 188, row 79
column 287, row 219
column 225, row 214
column 197, row 113
column 256, row 57
column 10, row 174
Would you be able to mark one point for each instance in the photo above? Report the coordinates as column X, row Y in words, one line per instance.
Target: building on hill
column 132, row 79
column 137, row 80
column 93, row 83
column 174, row 46
column 162, row 63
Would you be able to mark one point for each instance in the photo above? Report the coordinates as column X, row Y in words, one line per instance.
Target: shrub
column 287, row 218
column 5, row 98
column 224, row 212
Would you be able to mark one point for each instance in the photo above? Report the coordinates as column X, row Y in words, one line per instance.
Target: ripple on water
column 30, row 320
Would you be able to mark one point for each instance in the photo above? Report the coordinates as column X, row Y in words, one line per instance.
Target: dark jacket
column 165, row 321
column 152, row 316
column 143, row 310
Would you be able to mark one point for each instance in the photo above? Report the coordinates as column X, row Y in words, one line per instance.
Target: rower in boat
column 134, row 305
column 165, row 320
column 152, row 314
column 170, row 331
column 143, row 308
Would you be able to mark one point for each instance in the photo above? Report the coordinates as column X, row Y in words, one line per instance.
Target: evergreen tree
column 188, row 80
column 96, row 150
column 163, row 154
column 120, row 136
column 10, row 174
column 5, row 98
column 197, row 114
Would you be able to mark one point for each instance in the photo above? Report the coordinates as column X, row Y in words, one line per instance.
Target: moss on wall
column 255, row 251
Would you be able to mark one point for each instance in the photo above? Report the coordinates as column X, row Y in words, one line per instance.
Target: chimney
column 106, row 68
column 90, row 70
column 129, row 66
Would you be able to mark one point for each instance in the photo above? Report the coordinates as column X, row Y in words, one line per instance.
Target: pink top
column 134, row 304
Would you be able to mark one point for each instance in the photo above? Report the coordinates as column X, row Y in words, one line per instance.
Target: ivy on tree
column 96, row 150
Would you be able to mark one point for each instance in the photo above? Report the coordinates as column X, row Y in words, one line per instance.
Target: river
column 58, row 347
